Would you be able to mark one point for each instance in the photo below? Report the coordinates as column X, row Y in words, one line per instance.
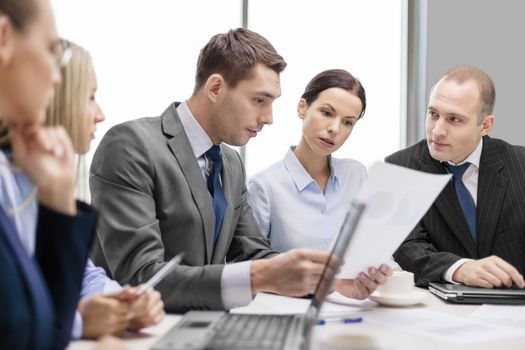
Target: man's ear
column 302, row 106
column 486, row 124
column 214, row 87
column 6, row 39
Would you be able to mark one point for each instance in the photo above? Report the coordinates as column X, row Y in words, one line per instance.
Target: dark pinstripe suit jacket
column 442, row 237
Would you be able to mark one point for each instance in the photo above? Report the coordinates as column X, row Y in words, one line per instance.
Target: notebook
column 460, row 294
column 221, row 330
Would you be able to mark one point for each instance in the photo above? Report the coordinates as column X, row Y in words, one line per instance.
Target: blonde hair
column 70, row 104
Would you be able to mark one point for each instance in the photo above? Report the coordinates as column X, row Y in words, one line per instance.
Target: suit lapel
column 448, row 205
column 492, row 184
column 181, row 149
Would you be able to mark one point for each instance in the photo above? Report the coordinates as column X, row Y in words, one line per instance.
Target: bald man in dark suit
column 474, row 233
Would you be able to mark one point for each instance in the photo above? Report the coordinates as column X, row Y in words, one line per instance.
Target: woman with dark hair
column 40, row 280
column 301, row 201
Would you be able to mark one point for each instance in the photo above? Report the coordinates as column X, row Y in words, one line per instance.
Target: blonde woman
column 104, row 308
column 74, row 107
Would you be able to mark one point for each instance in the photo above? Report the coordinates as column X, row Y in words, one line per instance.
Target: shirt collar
column 200, row 142
column 474, row 157
column 299, row 175
column 333, row 171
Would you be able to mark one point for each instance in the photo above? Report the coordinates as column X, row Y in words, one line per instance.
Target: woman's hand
column 365, row 284
column 147, row 310
column 46, row 155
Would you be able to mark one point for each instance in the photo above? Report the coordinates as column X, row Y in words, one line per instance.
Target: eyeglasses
column 63, row 52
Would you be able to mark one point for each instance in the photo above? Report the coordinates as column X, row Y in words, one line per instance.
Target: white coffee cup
column 401, row 283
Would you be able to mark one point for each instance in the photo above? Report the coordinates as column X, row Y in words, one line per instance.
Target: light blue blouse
column 291, row 209
column 16, row 192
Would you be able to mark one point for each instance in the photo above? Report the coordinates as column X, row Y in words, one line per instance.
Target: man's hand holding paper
column 396, row 199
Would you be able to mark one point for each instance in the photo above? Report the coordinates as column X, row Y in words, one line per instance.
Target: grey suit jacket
column 154, row 203
column 442, row 237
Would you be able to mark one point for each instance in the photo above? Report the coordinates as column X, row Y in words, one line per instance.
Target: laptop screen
column 336, row 258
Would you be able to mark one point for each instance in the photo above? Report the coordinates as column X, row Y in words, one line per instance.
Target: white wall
column 489, row 35
column 363, row 37
column 144, row 52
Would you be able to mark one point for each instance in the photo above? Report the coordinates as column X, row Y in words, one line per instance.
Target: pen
column 159, row 276
column 340, row 320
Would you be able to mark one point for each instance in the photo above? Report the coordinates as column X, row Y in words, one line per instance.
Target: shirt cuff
column 236, row 287
column 76, row 331
column 447, row 276
column 111, row 286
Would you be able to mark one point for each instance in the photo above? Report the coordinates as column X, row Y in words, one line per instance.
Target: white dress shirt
column 292, row 211
column 470, row 179
column 235, row 280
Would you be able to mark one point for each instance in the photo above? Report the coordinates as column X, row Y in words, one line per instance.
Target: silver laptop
column 221, row 330
column 460, row 294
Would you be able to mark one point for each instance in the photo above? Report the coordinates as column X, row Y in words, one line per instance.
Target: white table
column 378, row 337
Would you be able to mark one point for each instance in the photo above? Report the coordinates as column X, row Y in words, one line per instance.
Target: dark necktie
column 215, row 188
column 464, row 197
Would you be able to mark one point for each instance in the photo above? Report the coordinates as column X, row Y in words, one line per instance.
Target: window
column 362, row 37
column 145, row 53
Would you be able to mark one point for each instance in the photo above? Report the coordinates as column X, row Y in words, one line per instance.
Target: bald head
column 487, row 93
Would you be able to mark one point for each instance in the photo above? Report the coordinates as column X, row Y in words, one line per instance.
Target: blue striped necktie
column 465, row 199
column 215, row 188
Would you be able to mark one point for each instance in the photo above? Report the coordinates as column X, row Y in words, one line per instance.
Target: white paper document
column 282, row 305
column 396, row 199
column 337, row 305
column 273, row 304
column 441, row 326
column 515, row 313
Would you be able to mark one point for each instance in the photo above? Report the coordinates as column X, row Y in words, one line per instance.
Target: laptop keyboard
column 251, row 332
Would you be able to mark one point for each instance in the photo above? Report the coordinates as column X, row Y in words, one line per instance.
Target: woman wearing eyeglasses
column 105, row 308
column 301, row 201
column 40, row 279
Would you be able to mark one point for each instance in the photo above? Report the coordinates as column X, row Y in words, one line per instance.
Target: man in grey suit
column 157, row 186
column 474, row 233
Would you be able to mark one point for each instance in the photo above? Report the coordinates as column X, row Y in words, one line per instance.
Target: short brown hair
column 487, row 92
column 335, row 78
column 21, row 12
column 233, row 55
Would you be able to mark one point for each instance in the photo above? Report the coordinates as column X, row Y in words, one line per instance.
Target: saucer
column 415, row 297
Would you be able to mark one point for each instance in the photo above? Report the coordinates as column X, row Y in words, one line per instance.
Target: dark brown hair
column 233, row 55
column 335, row 78
column 21, row 12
